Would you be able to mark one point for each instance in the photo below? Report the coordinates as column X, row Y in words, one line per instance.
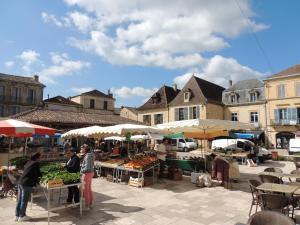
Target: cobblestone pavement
column 169, row 202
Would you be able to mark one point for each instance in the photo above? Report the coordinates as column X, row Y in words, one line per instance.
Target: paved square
column 169, row 202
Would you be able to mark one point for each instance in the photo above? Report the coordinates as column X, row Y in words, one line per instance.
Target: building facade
column 245, row 102
column 197, row 99
column 129, row 113
column 95, row 102
column 283, row 106
column 18, row 94
column 157, row 109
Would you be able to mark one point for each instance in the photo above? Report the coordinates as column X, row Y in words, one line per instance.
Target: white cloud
column 220, row 70
column 79, row 90
column 9, row 64
column 81, row 21
column 170, row 34
column 62, row 66
column 50, row 18
column 127, row 92
column 28, row 58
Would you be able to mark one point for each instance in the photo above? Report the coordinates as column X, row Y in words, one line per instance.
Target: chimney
column 36, row 78
column 109, row 93
column 48, row 96
column 174, row 87
column 230, row 83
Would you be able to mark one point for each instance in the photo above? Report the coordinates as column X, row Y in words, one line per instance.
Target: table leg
column 80, row 202
column 48, row 207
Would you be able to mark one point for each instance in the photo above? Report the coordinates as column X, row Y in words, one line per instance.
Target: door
column 283, row 139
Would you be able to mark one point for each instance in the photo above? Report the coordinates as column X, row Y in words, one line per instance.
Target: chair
column 269, row 218
column 295, row 172
column 275, row 202
column 269, row 179
column 297, row 164
column 273, row 169
column 255, row 200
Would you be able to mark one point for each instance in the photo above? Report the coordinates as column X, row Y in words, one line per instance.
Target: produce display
column 19, row 162
column 140, row 162
column 55, row 172
column 111, row 162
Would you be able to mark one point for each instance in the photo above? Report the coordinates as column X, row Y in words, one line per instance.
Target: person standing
column 161, row 155
column 87, row 172
column 72, row 166
column 28, row 180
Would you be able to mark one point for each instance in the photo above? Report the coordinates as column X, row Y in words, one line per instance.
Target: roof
column 202, row 91
column 61, row 100
column 22, row 79
column 246, row 84
column 132, row 109
column 117, row 111
column 46, row 116
column 95, row 93
column 164, row 96
column 294, row 70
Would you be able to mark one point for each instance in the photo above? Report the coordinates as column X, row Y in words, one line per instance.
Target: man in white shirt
column 161, row 155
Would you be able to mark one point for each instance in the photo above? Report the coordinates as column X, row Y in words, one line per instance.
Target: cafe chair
column 254, row 192
column 269, row 218
column 273, row 169
column 275, row 202
column 269, row 179
column 295, row 172
column 297, row 164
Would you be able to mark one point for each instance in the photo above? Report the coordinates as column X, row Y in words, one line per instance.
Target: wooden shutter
column 176, row 114
column 191, row 113
column 186, row 113
column 276, row 115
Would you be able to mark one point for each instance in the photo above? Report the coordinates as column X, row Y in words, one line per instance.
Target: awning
column 297, row 133
column 249, row 135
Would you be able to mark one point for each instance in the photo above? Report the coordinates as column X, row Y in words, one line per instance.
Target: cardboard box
column 55, row 183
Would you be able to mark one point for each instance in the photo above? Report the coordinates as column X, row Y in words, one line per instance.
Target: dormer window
column 187, row 96
column 156, row 98
column 253, row 97
column 233, row 99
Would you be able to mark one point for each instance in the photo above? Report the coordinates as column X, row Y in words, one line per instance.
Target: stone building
column 18, row 93
column 129, row 113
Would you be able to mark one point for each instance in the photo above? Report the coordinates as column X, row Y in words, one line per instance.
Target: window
column 31, row 96
column 1, row 111
column 254, row 117
column 158, row 118
column 234, row 117
column 92, row 103
column 2, row 92
column 281, row 91
column 15, row 94
column 105, row 105
column 15, row 110
column 181, row 113
column 147, row 119
column 194, row 112
column 232, row 99
column 186, row 96
column 181, row 141
column 282, row 114
column 253, row 97
column 298, row 89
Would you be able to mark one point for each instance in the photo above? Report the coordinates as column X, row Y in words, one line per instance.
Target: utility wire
column 255, row 37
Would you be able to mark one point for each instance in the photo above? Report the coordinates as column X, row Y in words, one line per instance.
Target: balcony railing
column 285, row 122
column 17, row 100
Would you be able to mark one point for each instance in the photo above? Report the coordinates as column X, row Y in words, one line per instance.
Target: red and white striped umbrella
column 16, row 128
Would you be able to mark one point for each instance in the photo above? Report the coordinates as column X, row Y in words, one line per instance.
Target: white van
column 240, row 144
column 183, row 144
column 294, row 146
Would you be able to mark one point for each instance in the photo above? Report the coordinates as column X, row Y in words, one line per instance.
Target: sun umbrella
column 80, row 132
column 115, row 138
column 16, row 128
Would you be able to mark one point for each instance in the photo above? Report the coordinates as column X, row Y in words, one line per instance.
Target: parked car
column 183, row 144
column 294, row 146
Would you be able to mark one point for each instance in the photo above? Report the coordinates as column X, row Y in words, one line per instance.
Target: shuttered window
column 281, row 91
column 298, row 89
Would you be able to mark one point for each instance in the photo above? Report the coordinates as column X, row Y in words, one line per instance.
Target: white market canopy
column 80, row 132
column 115, row 138
column 203, row 128
column 121, row 130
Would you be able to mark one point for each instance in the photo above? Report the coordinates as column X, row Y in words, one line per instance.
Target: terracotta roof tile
column 22, row 79
column 61, row 100
column 289, row 71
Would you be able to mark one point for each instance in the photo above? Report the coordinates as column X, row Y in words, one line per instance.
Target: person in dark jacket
column 72, row 166
column 28, row 180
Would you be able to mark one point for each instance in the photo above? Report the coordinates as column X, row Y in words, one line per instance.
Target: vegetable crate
column 136, row 182
column 55, row 183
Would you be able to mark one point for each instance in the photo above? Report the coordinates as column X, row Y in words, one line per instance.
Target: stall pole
column 25, row 147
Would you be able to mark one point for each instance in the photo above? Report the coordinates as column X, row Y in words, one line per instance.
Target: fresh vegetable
column 19, row 162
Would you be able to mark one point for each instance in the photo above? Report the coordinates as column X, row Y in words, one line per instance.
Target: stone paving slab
column 166, row 203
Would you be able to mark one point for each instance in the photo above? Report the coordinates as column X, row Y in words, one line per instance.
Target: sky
column 134, row 47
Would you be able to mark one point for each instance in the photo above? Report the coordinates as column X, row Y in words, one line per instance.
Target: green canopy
column 175, row 135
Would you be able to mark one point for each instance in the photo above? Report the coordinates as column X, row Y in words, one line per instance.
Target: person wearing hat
column 72, row 166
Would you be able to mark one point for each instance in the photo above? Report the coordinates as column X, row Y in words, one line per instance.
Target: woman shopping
column 87, row 172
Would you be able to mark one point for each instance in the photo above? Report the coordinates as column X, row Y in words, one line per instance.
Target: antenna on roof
column 48, row 96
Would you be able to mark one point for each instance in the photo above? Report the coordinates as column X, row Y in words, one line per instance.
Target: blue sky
column 134, row 47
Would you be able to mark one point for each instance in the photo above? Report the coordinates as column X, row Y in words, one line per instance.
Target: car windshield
column 189, row 140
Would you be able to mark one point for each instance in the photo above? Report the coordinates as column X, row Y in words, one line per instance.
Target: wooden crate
column 55, row 183
column 136, row 182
